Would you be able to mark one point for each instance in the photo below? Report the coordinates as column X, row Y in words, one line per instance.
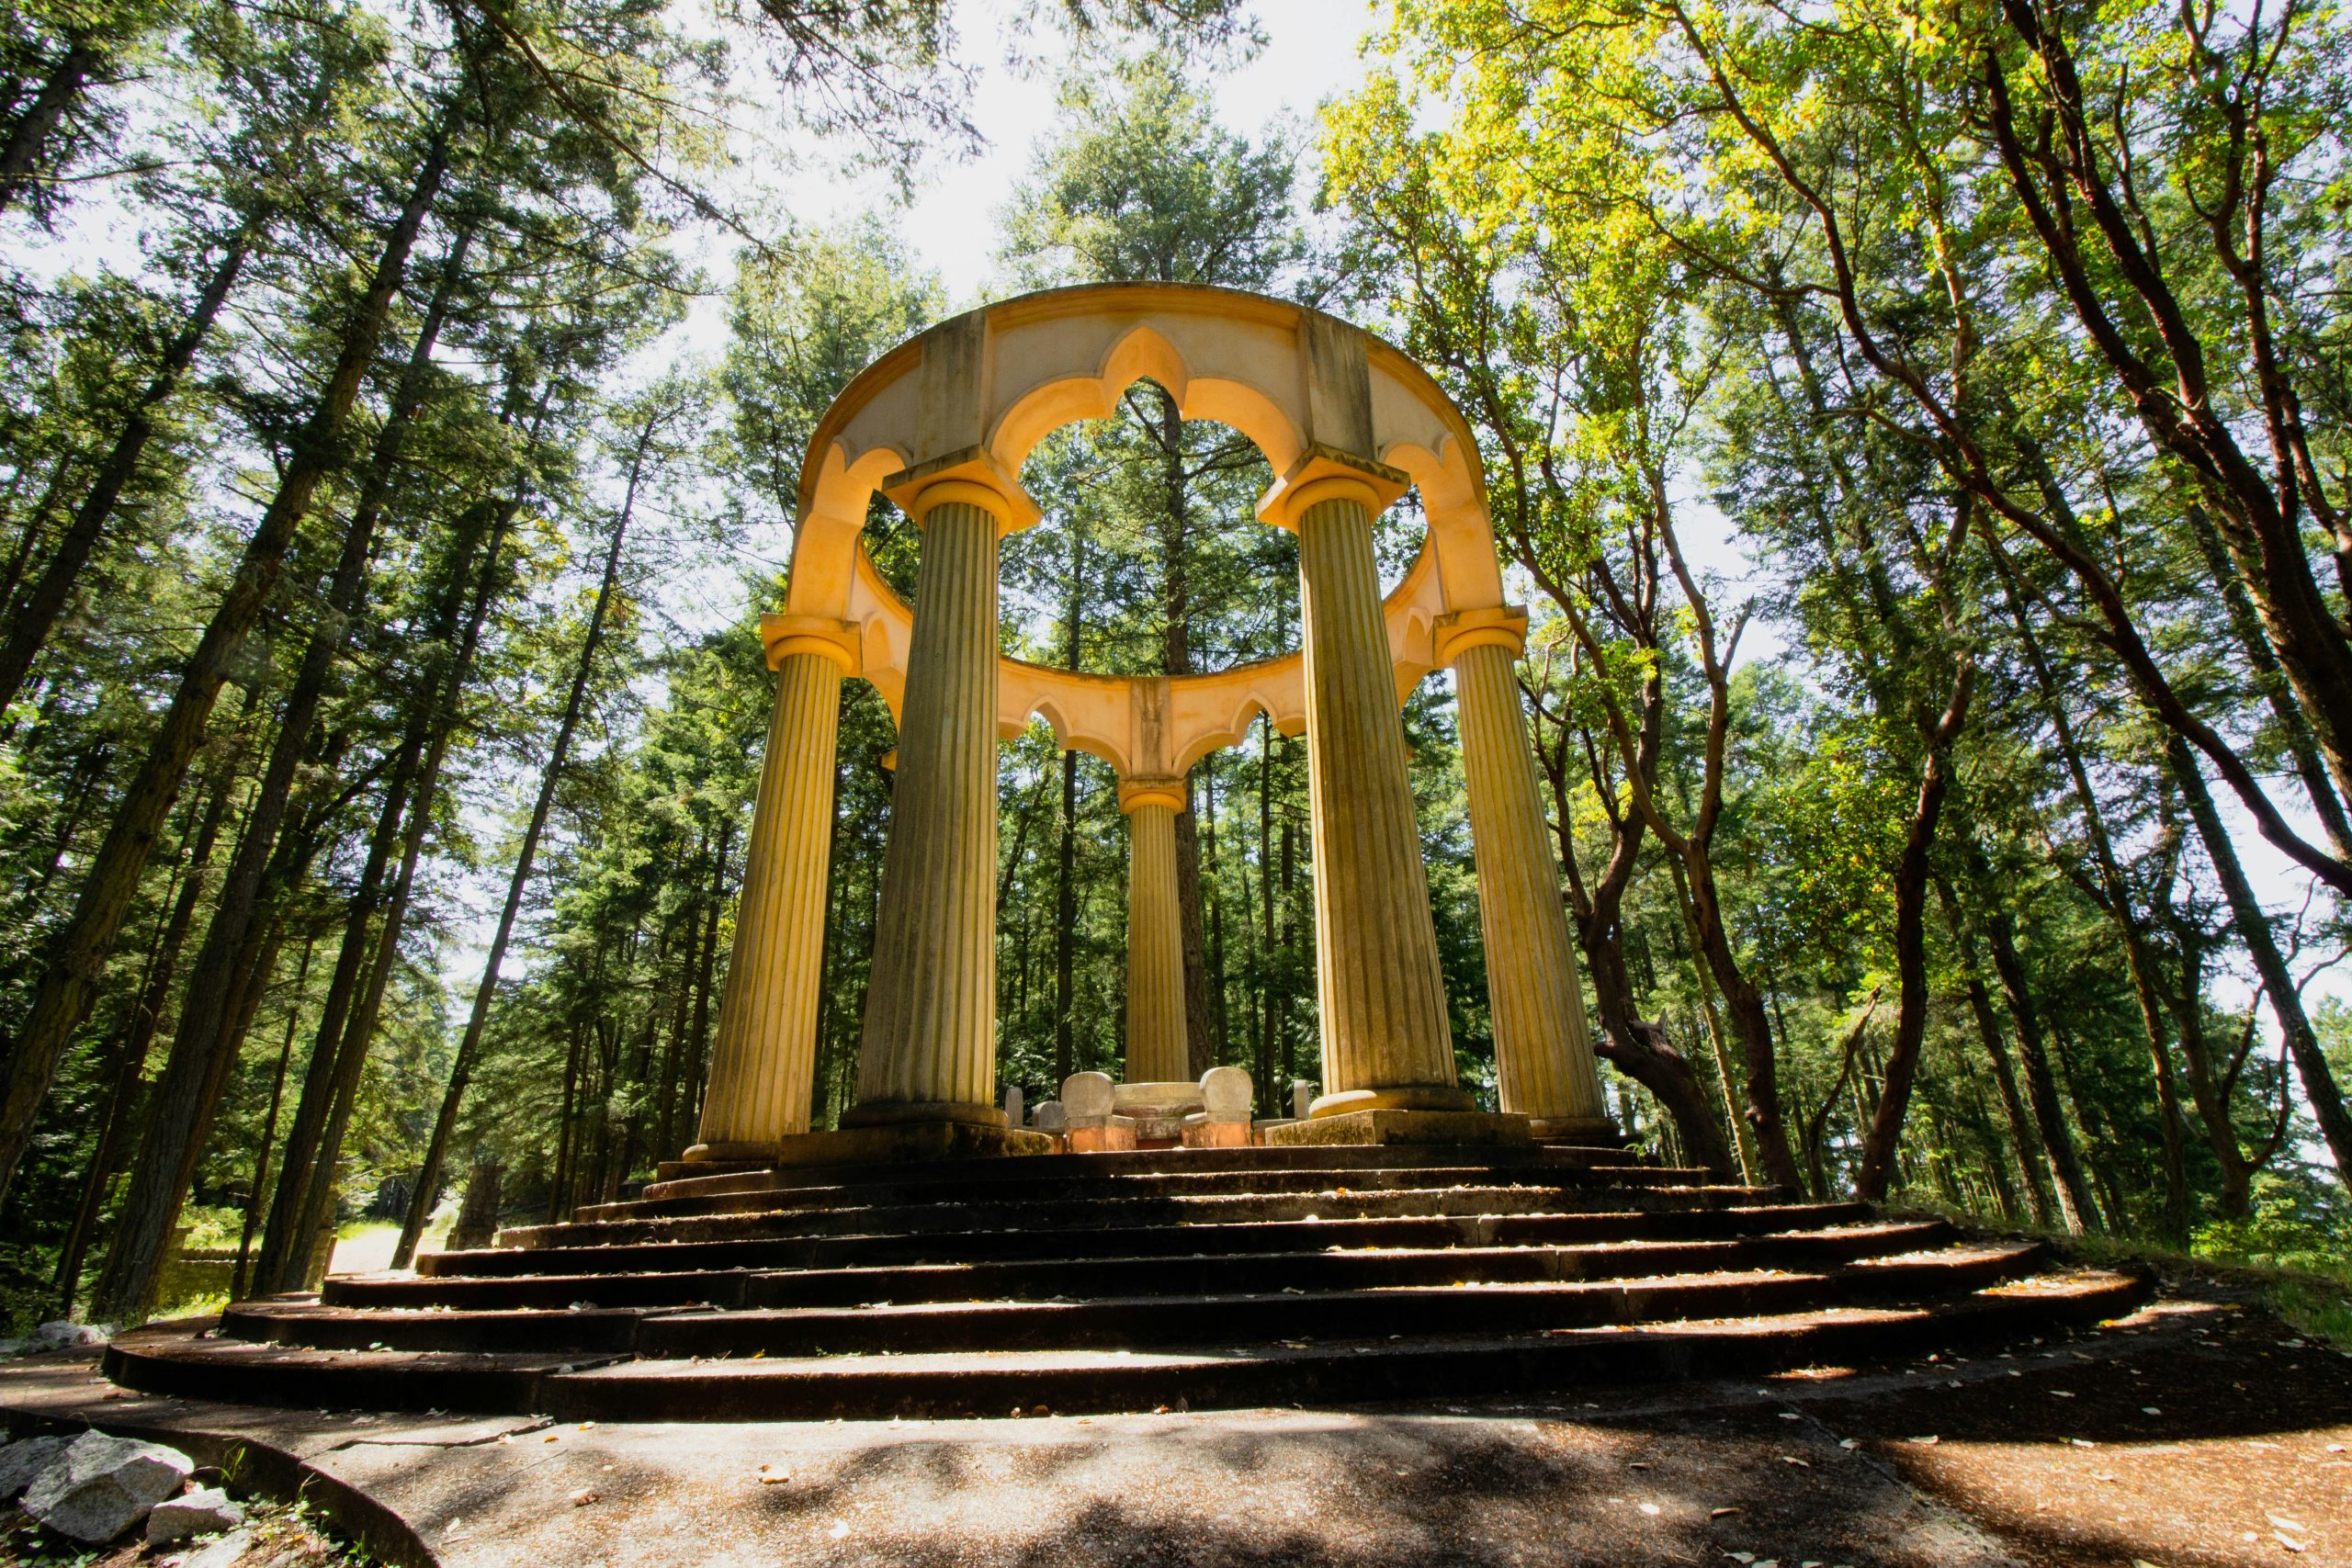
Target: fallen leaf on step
column 1720, row 1513
column 582, row 1497
column 1928, row 1440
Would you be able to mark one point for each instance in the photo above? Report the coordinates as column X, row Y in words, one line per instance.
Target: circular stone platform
column 1194, row 1278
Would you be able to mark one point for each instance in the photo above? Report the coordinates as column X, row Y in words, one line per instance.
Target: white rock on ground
column 100, row 1486
column 205, row 1511
column 60, row 1334
column 22, row 1462
column 220, row 1553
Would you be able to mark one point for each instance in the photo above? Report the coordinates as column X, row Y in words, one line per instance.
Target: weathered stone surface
column 1302, row 1095
column 1051, row 1117
column 1201, row 1133
column 22, row 1462
column 1103, row 1136
column 1473, row 1128
column 1012, row 1106
column 206, row 1511
column 1226, row 1094
column 1088, row 1098
column 100, row 1486
column 222, row 1553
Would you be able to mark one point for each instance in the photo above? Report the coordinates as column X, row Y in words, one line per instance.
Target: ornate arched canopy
column 976, row 394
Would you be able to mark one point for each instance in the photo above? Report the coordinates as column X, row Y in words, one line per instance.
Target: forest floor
column 2203, row 1430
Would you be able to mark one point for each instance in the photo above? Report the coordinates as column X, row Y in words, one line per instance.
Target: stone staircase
column 1190, row 1279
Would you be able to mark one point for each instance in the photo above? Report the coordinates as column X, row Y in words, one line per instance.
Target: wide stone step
column 1037, row 1279
column 943, row 1384
column 177, row 1359
column 751, row 1197
column 1328, row 1270
column 685, row 1180
column 581, row 1330
column 1797, row 1236
column 761, row 1252
column 1139, row 1322
column 1113, row 1212
column 1383, row 1298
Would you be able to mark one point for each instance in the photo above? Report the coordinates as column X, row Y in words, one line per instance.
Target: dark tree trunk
column 2077, row 1210
column 21, row 157
column 203, row 1050
column 1911, row 945
column 2320, row 1087
column 31, row 622
column 575, row 701
column 2027, row 1146
column 77, row 957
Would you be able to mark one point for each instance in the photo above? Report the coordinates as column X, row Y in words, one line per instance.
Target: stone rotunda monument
column 1395, row 1242
column 942, row 426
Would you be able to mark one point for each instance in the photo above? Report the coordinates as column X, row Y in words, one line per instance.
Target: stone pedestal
column 928, row 1048
column 765, row 1052
column 893, row 1142
column 1157, row 1047
column 1476, row 1128
column 1386, row 1044
column 1544, row 1060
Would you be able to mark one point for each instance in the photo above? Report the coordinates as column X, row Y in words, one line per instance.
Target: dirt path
column 2201, row 1431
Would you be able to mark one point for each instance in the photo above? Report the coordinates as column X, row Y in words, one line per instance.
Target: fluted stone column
column 766, row 1050
column 929, row 1049
column 1387, row 1044
column 1542, row 1045
column 1158, row 1051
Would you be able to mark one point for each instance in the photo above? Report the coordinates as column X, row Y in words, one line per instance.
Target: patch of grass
column 2319, row 1306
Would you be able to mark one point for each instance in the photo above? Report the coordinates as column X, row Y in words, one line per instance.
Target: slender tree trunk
column 2293, row 724
column 202, row 1050
column 2077, row 1210
column 2320, row 1089
column 2027, row 1146
column 1746, row 1006
column 2116, row 895
column 269, row 1123
column 1885, row 1132
column 21, row 157
column 560, row 1179
column 313, row 1146
column 77, row 957
column 31, row 622
column 469, row 1045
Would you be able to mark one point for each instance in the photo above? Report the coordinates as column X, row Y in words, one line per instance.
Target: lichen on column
column 1543, row 1061
column 1157, row 1048
column 764, row 1055
column 929, row 1047
column 1385, row 1039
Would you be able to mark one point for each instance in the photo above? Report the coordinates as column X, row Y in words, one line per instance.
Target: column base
column 1585, row 1131
column 893, row 1143
column 1396, row 1097
column 1476, row 1128
column 899, row 1112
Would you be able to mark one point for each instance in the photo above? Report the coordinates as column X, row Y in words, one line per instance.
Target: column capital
column 1500, row 625
column 784, row 636
column 1153, row 789
column 1323, row 472
column 972, row 475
